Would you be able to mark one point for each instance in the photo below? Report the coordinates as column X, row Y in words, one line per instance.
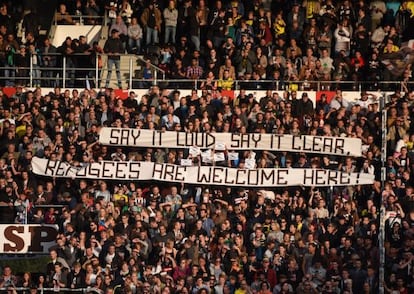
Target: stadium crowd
column 224, row 41
column 148, row 237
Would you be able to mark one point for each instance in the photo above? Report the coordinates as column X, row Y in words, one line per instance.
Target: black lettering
column 332, row 177
column 50, row 166
column 72, row 171
column 210, row 140
column 40, row 235
column 345, row 178
column 94, row 171
column 245, row 141
column 256, row 138
column 178, row 140
column 124, row 140
column 253, row 177
column 275, row 141
column 316, row 144
column 239, row 177
column 189, row 139
column 119, row 171
column 60, row 171
column 227, row 177
column 180, row 172
column 81, row 172
column 10, row 234
column 235, row 139
column 217, row 175
column 169, row 171
column 203, row 177
column 106, row 169
column 307, row 146
column 196, row 138
column 134, row 168
column 357, row 179
column 138, row 133
column 159, row 138
column 157, row 171
column 113, row 138
column 267, row 175
column 307, row 177
column 280, row 178
column 339, row 145
column 295, row 143
column 320, row 177
column 327, row 145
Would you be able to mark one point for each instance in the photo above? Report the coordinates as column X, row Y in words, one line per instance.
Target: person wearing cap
column 269, row 272
column 305, row 106
column 114, row 48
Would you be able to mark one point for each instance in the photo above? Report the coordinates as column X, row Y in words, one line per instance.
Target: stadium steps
column 125, row 65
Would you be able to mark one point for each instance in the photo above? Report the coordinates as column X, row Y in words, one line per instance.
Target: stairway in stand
column 126, row 62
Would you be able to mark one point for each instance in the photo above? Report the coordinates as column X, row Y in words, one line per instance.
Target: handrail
column 156, row 69
column 153, row 66
column 81, row 18
column 43, row 290
column 62, row 75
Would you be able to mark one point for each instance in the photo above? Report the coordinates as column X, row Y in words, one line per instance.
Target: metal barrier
column 81, row 19
column 50, row 290
column 8, row 215
column 73, row 71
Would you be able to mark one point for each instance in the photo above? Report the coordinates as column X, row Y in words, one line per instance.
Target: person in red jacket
column 265, row 33
column 270, row 274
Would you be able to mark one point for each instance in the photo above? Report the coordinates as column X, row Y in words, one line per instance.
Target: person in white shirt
column 342, row 39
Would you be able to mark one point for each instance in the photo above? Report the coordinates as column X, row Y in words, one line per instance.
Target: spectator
column 134, row 37
column 301, row 230
column 113, row 47
column 63, row 17
column 151, row 20
column 121, row 27
column 170, row 15
column 342, row 39
column 194, row 71
column 49, row 59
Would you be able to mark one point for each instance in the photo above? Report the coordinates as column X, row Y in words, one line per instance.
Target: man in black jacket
column 114, row 47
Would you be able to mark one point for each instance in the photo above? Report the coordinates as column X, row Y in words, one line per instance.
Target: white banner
column 233, row 141
column 27, row 238
column 200, row 175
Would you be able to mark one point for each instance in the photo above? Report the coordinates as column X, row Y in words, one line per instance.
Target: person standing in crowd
column 151, row 19
column 171, row 18
column 142, row 237
column 48, row 54
column 114, row 47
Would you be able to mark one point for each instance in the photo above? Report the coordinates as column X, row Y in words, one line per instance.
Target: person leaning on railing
column 62, row 17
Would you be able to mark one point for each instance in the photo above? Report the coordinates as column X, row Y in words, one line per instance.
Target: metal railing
column 72, row 71
column 81, row 19
column 51, row 290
